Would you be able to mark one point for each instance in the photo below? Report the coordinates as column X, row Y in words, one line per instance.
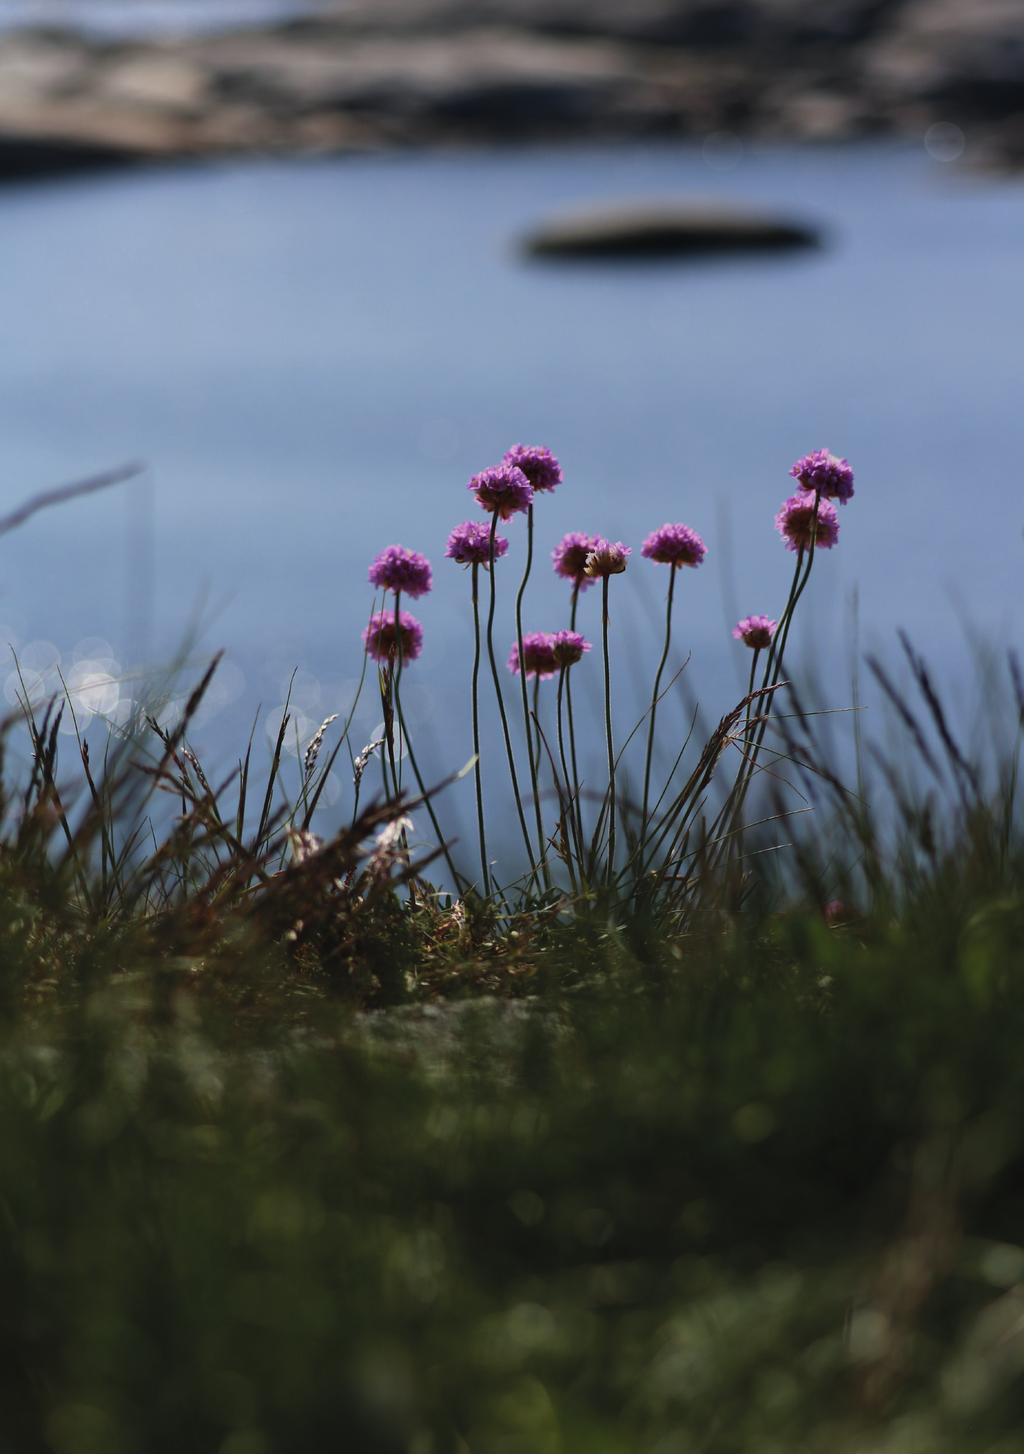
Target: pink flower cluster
column 807, row 520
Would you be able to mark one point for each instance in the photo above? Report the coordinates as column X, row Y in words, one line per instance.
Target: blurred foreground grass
column 756, row 1190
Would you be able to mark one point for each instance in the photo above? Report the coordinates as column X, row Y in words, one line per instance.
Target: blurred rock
column 376, row 73
column 666, row 231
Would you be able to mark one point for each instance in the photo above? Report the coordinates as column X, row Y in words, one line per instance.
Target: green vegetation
column 750, row 1179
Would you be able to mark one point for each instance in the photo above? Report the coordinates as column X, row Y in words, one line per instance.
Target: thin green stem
column 386, row 682
column 396, row 677
column 501, row 705
column 576, row 792
column 734, row 800
column 750, row 690
column 654, row 701
column 773, row 665
column 535, row 749
column 525, row 697
column 477, row 770
column 569, row 808
column 608, row 731
column 407, row 743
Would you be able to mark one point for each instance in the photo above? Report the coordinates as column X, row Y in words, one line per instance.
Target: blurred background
column 279, row 251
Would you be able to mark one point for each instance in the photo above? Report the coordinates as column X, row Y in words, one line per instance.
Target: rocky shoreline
column 389, row 73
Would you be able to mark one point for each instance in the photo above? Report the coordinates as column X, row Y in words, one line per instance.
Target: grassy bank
column 761, row 1191
column 603, row 1182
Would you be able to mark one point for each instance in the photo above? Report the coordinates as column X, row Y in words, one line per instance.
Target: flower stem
column 608, row 731
column 750, row 690
column 773, row 665
column 576, row 796
column 406, row 740
column 387, row 696
column 501, row 705
column 535, row 749
column 654, row 701
column 477, row 773
column 526, row 701
column 395, row 686
column 570, row 808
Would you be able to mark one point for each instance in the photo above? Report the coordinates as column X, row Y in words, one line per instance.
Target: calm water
column 312, row 358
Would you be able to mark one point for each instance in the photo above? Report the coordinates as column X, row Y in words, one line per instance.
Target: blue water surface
column 312, row 357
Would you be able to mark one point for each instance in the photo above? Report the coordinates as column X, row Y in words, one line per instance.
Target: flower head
column 397, row 569
column 607, row 558
column 537, row 463
column 675, row 545
column 538, row 655
column 825, row 475
column 470, row 544
column 383, row 642
column 795, row 523
column 503, row 489
column 568, row 647
column 755, row 631
column 570, row 558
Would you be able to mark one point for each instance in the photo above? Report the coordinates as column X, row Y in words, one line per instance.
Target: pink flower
column 538, row 655
column 755, row 631
column 503, row 489
column 675, row 545
column 570, row 558
column 568, row 647
column 825, row 474
column 795, row 523
column 470, row 544
column 537, row 463
column 397, row 569
column 382, row 641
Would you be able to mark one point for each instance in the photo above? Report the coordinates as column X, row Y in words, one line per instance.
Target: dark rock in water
column 666, row 231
